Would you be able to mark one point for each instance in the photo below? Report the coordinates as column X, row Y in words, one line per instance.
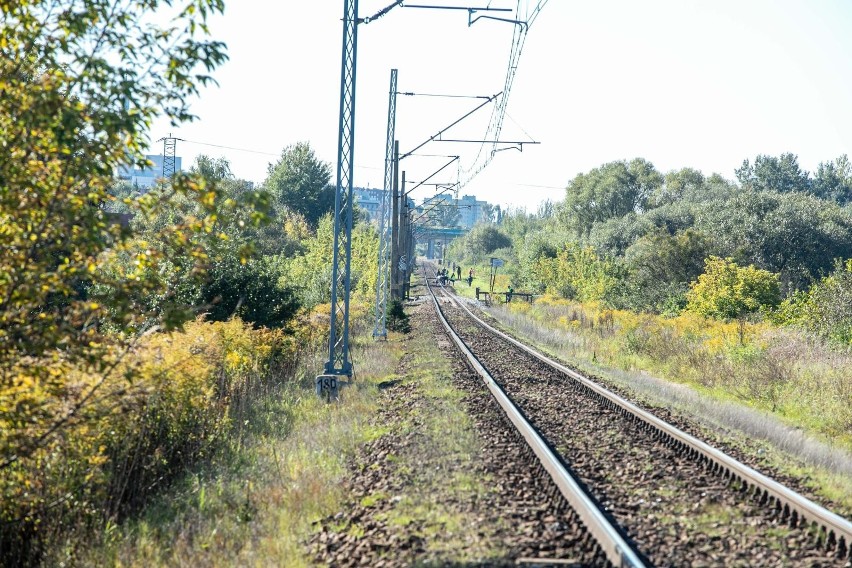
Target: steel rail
column 797, row 508
column 613, row 545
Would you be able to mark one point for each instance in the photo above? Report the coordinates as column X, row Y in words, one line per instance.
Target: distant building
column 147, row 177
column 370, row 201
column 472, row 211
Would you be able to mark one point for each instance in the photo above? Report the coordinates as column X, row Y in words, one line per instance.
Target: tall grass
column 253, row 502
column 782, row 371
column 176, row 401
column 778, row 385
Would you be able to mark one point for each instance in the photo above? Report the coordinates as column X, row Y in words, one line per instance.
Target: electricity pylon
column 338, row 362
column 383, row 283
column 169, row 147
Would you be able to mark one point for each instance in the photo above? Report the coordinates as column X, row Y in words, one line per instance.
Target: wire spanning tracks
column 670, row 492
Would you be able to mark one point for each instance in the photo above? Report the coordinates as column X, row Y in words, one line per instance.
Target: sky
column 681, row 83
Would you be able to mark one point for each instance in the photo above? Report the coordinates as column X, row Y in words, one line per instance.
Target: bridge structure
column 432, row 237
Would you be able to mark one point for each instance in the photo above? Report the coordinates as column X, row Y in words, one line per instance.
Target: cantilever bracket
column 471, row 20
column 519, row 148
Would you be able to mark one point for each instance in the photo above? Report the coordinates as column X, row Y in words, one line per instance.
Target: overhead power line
column 540, row 186
column 262, row 153
column 231, row 148
column 498, row 112
column 410, row 94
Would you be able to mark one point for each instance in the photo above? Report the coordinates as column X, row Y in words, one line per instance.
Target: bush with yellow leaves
column 168, row 403
column 780, row 370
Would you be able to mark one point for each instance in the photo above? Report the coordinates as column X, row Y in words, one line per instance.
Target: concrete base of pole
column 328, row 388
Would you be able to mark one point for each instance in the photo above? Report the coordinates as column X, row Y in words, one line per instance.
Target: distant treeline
column 634, row 238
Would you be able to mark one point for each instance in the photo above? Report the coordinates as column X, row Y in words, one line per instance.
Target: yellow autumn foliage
column 753, row 362
column 170, row 402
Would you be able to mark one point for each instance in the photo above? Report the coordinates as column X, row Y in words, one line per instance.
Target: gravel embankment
column 680, row 513
column 503, row 519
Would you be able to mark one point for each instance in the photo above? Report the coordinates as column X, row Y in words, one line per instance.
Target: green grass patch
column 373, row 498
column 255, row 505
column 438, row 464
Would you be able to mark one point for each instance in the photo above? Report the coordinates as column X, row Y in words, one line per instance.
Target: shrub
column 727, row 291
column 397, row 319
column 825, row 309
column 484, row 239
column 251, row 291
column 310, row 272
column 578, row 273
column 660, row 267
column 169, row 403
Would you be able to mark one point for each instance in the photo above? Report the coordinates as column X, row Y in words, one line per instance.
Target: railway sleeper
column 827, row 539
column 794, row 519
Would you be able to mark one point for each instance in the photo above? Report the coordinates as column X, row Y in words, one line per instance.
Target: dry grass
column 736, row 388
column 255, row 506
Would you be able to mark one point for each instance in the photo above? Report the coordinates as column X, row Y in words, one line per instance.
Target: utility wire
column 519, row 126
column 498, row 112
column 380, row 13
column 432, row 155
column 440, row 132
column 269, row 153
column 539, row 186
column 410, row 94
column 495, row 124
column 230, row 148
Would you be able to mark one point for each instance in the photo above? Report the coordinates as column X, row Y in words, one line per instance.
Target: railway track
column 647, row 492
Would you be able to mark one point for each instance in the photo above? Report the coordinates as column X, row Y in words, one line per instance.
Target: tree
column 251, row 291
column 535, row 245
column 310, row 271
column 439, row 211
column 299, row 181
column 678, row 183
column 546, row 209
column 614, row 236
column 578, row 273
column 517, row 223
column 73, row 110
column 833, row 180
column 726, row 290
column 237, row 284
column 610, row 191
column 795, row 235
column 768, row 173
column 81, row 82
column 485, row 239
column 488, row 213
column 661, row 266
column 828, row 307
column 213, row 169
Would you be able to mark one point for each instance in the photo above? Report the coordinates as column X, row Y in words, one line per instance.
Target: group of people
column 455, row 273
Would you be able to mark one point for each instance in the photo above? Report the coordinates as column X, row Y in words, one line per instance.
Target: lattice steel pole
column 394, row 262
column 338, row 341
column 169, row 150
column 383, row 281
